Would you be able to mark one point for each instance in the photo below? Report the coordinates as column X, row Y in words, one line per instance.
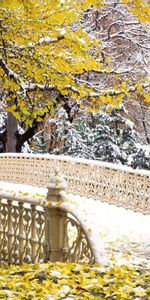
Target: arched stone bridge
column 35, row 221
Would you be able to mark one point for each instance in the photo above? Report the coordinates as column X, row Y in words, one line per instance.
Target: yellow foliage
column 147, row 97
column 73, row 280
column 140, row 8
column 44, row 48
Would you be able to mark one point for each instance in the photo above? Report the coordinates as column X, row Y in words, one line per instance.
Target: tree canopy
column 48, row 57
column 43, row 49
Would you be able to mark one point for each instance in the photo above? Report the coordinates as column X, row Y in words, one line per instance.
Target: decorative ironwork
column 107, row 182
column 79, row 248
column 22, row 235
column 3, row 231
column 31, row 232
column 21, row 232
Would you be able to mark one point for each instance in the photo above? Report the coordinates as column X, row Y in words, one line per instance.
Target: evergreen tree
column 102, row 136
column 140, row 157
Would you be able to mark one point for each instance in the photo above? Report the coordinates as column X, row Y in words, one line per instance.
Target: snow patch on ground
column 114, row 231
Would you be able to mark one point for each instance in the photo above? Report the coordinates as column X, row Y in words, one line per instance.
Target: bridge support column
column 56, row 240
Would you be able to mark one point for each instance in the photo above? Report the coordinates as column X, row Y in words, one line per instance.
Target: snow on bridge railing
column 35, row 224
column 119, row 185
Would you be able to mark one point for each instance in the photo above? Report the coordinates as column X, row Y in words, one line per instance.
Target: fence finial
column 57, row 184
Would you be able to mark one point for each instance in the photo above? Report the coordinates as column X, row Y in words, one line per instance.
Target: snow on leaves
column 54, row 281
column 43, row 47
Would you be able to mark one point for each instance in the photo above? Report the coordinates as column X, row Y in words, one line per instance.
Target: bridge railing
column 122, row 186
column 33, row 230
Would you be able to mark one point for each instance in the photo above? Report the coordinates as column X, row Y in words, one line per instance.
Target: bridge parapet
column 35, row 225
column 119, row 185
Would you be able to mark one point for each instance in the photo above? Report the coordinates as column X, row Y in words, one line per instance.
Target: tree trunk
column 11, row 133
column 144, row 126
column 15, row 140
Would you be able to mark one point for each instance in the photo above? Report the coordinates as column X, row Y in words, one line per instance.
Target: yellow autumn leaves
column 73, row 281
column 42, row 43
column 140, row 8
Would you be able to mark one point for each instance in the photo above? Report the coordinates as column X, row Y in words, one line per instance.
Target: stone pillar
column 56, row 240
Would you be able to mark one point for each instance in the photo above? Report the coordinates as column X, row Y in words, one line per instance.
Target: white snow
column 46, row 39
column 109, row 226
column 57, row 274
column 62, row 31
column 12, row 73
column 81, row 40
column 2, row 119
column 111, row 230
column 129, row 123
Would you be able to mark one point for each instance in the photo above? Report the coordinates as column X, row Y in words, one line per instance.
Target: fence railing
column 107, row 182
column 32, row 231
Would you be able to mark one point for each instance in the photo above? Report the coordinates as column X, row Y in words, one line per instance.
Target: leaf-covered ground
column 70, row 281
column 121, row 239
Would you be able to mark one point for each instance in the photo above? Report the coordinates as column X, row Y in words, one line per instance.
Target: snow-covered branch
column 43, row 40
column 29, row 87
column 113, row 92
column 7, row 70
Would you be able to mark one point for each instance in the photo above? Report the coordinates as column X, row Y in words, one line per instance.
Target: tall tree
column 44, row 51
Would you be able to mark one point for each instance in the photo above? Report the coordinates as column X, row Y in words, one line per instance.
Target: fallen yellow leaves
column 73, row 281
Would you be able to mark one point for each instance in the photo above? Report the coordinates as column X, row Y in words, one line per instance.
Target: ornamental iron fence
column 119, row 185
column 31, row 231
